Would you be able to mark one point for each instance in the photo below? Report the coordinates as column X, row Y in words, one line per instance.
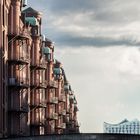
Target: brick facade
column 36, row 97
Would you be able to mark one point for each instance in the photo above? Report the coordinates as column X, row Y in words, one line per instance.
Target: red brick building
column 36, row 97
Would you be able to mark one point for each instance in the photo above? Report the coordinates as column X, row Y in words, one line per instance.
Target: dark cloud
column 99, row 41
column 104, row 14
column 61, row 6
column 114, row 11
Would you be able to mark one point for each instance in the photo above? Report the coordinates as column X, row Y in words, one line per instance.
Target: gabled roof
column 30, row 10
column 48, row 40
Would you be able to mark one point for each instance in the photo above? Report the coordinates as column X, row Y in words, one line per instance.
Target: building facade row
column 36, row 97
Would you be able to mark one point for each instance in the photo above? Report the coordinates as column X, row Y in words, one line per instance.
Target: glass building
column 124, row 127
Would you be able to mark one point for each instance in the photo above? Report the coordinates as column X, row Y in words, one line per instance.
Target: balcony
column 53, row 100
column 21, row 59
column 61, row 126
column 25, row 33
column 62, row 112
column 53, row 116
column 39, row 84
column 18, row 82
column 52, row 84
column 38, row 65
column 21, row 33
column 38, row 103
column 20, row 109
column 62, row 98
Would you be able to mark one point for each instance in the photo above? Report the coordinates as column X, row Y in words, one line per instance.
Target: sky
column 98, row 43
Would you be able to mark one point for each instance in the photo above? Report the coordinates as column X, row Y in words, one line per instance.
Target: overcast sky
column 98, row 43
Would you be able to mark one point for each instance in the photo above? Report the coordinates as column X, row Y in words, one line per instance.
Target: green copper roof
column 32, row 21
column 46, row 50
column 57, row 71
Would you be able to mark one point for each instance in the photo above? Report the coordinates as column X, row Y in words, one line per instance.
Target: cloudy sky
column 98, row 43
